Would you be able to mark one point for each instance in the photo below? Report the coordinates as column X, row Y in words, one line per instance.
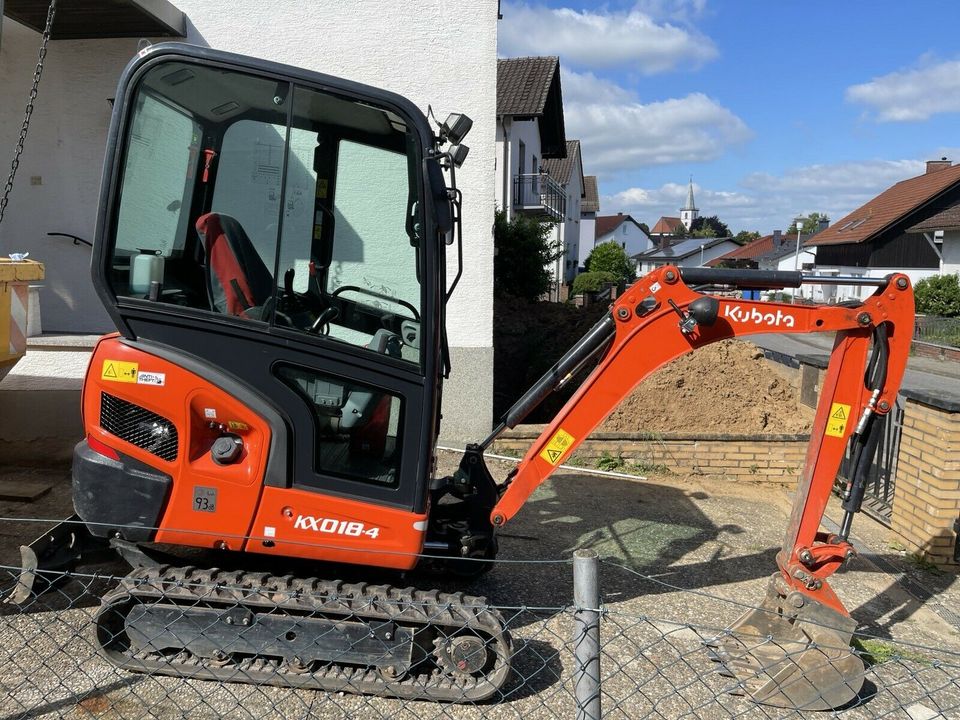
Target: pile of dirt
column 727, row 387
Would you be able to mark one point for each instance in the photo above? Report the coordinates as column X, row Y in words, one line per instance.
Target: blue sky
column 775, row 108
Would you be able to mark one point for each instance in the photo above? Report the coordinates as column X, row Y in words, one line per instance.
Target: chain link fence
column 199, row 643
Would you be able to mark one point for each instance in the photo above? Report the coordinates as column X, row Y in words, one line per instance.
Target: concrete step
column 40, row 401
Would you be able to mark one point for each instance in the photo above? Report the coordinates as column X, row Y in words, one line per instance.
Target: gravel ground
column 682, row 557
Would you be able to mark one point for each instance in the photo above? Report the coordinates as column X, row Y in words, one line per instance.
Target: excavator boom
column 659, row 318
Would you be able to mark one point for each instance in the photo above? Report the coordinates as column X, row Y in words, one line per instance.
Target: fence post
column 586, row 634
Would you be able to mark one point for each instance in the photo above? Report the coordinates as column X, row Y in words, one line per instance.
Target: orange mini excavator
column 271, row 244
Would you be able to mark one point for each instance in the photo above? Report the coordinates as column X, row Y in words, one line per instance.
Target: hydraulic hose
column 866, row 437
column 589, row 347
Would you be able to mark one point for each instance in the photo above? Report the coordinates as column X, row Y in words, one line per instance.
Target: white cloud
column 618, row 132
column 600, row 38
column 765, row 201
column 911, row 95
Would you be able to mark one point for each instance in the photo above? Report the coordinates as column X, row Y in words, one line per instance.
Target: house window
column 624, row 228
column 624, row 245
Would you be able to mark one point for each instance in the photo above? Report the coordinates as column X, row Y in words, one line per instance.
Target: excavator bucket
column 792, row 652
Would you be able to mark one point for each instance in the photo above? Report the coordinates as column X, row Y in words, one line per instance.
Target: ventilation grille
column 138, row 426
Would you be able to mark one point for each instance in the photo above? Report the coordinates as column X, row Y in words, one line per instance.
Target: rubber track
column 451, row 613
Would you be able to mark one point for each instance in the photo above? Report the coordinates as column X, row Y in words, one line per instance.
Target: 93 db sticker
column 204, row 499
column 558, row 445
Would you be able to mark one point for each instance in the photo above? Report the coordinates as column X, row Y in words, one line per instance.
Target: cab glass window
column 349, row 246
column 199, row 211
column 270, row 203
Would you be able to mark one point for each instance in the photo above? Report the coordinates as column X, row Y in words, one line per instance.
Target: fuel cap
column 226, row 449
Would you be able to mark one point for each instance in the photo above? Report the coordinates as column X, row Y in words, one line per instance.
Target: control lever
column 688, row 323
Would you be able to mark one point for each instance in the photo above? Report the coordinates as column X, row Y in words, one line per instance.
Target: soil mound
column 727, row 387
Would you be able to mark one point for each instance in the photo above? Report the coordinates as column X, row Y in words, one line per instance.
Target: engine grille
column 138, row 426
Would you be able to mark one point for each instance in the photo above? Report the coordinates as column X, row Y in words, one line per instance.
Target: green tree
column 938, row 295
column 610, row 257
column 811, row 224
column 644, row 227
column 591, row 281
column 525, row 251
column 746, row 236
column 709, row 227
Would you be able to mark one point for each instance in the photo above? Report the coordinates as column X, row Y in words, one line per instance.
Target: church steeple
column 689, row 212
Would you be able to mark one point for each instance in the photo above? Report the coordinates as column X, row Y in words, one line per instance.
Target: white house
column 942, row 232
column 589, row 207
column 417, row 50
column 690, row 252
column 568, row 171
column 623, row 230
column 529, row 129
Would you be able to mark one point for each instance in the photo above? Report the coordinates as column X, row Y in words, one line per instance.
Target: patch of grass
column 876, row 652
column 609, row 462
column 617, row 463
column 754, row 469
column 510, row 452
column 922, row 563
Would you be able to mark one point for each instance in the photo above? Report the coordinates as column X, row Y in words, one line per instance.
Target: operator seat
column 238, row 282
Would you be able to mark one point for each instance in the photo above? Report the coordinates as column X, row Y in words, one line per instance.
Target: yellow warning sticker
column 839, row 417
column 322, row 184
column 557, row 446
column 237, row 425
column 119, row 371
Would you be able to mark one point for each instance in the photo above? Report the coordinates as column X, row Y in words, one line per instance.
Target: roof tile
column 888, row 207
column 591, row 195
column 560, row 168
column 524, row 83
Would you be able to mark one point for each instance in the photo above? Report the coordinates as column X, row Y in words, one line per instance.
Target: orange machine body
column 247, row 516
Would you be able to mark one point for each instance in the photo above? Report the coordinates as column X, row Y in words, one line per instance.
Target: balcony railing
column 541, row 195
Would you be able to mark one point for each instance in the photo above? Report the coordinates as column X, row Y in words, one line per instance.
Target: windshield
column 270, row 203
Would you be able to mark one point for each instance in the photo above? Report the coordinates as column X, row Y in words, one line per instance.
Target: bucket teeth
column 791, row 652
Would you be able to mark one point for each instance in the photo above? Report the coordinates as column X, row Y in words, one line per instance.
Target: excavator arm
column 660, row 318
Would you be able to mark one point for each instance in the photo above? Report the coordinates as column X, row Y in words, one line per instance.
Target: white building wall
column 588, row 236
column 571, row 226
column 951, row 253
column 509, row 134
column 408, row 49
column 630, row 237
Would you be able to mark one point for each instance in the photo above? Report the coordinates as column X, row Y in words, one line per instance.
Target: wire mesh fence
column 172, row 642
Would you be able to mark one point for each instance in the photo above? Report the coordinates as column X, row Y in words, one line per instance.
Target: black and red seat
column 238, row 281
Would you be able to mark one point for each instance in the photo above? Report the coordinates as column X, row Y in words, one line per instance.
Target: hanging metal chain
column 5, row 198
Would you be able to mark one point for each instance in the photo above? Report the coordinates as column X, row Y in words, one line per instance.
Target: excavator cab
column 271, row 247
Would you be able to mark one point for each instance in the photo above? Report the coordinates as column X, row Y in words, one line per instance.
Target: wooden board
column 23, row 489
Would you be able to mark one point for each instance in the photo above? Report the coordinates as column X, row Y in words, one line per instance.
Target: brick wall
column 757, row 458
column 933, row 350
column 927, row 495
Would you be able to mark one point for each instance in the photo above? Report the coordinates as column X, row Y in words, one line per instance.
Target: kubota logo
column 739, row 315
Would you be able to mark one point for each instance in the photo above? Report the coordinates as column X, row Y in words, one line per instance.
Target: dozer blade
column 56, row 551
column 792, row 652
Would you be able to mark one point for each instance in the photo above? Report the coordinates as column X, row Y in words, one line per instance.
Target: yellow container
column 15, row 276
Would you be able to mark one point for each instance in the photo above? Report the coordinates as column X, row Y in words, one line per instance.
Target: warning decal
column 837, row 422
column 557, row 446
column 119, row 371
